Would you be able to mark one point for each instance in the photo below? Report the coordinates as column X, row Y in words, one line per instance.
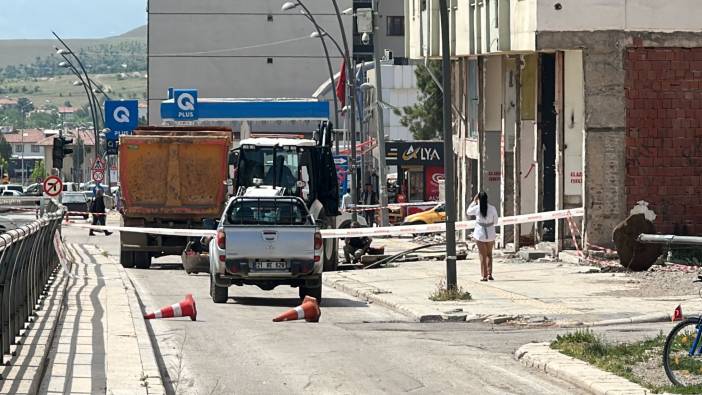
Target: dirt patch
column 658, row 283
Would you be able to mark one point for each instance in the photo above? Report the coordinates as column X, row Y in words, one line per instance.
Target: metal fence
column 27, row 262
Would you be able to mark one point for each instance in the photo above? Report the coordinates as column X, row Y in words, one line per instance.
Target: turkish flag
column 341, row 86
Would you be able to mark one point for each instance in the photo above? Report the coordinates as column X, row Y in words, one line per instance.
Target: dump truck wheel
column 142, row 260
column 126, row 258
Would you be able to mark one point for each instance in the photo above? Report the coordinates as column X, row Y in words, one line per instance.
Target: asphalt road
column 355, row 348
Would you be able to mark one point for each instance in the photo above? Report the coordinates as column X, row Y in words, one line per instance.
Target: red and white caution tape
column 371, row 207
column 151, row 231
column 354, row 232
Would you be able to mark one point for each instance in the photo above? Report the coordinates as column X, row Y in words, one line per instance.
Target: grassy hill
column 15, row 52
column 59, row 89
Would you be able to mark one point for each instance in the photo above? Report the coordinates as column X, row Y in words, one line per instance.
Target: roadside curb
column 375, row 295
column 640, row 319
column 152, row 378
column 579, row 373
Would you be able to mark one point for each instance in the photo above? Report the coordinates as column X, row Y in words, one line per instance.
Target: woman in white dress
column 484, row 233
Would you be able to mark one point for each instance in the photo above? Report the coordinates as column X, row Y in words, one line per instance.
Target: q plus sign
column 121, row 115
column 186, row 103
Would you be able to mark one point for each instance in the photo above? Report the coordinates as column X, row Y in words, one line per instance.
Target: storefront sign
column 414, row 153
column 432, row 176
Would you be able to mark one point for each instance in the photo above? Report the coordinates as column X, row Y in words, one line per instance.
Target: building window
column 396, row 26
column 269, row 60
column 19, row 148
column 35, row 148
column 270, row 17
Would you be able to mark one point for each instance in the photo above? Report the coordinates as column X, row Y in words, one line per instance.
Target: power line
column 235, row 49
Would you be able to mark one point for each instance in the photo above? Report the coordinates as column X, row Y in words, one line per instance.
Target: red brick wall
column 664, row 135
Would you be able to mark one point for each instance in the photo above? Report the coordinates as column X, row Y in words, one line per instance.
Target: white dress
column 485, row 226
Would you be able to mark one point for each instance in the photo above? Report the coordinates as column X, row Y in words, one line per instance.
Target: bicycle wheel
column 681, row 368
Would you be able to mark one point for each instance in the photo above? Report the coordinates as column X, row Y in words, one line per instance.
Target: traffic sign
column 112, row 147
column 121, row 115
column 99, row 165
column 98, row 176
column 53, row 186
column 186, row 103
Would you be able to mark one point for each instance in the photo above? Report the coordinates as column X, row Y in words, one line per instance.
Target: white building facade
column 572, row 103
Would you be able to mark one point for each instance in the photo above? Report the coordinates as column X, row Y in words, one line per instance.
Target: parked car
column 10, row 192
column 76, row 203
column 12, row 187
column 34, row 190
column 432, row 216
column 70, row 187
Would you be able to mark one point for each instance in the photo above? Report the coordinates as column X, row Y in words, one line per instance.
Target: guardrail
column 27, row 261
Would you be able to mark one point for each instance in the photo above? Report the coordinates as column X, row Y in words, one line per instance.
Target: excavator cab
column 305, row 168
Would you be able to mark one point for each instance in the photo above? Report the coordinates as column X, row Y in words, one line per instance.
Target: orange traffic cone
column 309, row 310
column 678, row 314
column 184, row 308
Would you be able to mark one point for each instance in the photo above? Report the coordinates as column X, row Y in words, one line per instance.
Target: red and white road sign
column 53, row 186
column 99, row 165
column 98, row 176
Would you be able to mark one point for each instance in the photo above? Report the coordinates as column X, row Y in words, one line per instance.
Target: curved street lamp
column 289, row 5
column 81, row 82
column 91, row 98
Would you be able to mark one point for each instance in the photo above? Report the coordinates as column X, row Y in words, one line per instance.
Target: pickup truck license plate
column 271, row 265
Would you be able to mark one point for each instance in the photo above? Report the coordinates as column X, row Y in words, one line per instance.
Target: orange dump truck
column 170, row 177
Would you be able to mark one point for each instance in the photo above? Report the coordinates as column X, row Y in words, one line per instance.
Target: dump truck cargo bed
column 174, row 173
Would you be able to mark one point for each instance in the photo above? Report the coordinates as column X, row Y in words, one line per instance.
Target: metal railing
column 28, row 261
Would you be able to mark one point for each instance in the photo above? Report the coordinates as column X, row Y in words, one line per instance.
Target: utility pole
column 351, row 71
column 517, row 174
column 382, row 183
column 451, row 280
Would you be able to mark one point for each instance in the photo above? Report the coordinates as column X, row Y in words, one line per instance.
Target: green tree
column 424, row 119
column 5, row 149
column 39, row 170
column 3, row 167
column 44, row 120
column 25, row 106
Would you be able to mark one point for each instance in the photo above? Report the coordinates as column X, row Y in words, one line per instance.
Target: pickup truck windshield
column 267, row 212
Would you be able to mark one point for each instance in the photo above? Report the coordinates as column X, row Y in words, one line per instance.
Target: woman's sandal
column 490, row 278
column 484, row 279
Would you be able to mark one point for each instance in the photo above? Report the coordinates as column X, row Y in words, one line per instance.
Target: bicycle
column 682, row 353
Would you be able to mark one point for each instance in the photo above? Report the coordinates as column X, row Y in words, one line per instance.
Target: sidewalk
column 101, row 344
column 562, row 292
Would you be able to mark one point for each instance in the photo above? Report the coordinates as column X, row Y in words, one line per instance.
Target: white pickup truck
column 266, row 239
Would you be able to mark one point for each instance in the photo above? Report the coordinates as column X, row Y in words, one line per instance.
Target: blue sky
column 69, row 18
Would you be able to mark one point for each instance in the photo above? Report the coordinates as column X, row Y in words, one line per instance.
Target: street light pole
column 352, row 112
column 320, row 34
column 451, row 281
column 380, row 122
column 90, row 88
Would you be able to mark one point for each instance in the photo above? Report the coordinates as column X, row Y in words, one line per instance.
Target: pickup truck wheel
column 142, row 260
column 218, row 294
column 313, row 292
column 126, row 258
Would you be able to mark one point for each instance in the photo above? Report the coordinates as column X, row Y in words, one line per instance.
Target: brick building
column 574, row 103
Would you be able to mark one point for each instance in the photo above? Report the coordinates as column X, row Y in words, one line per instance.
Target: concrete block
column 530, row 255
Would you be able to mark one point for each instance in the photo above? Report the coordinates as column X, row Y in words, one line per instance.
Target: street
column 356, row 347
